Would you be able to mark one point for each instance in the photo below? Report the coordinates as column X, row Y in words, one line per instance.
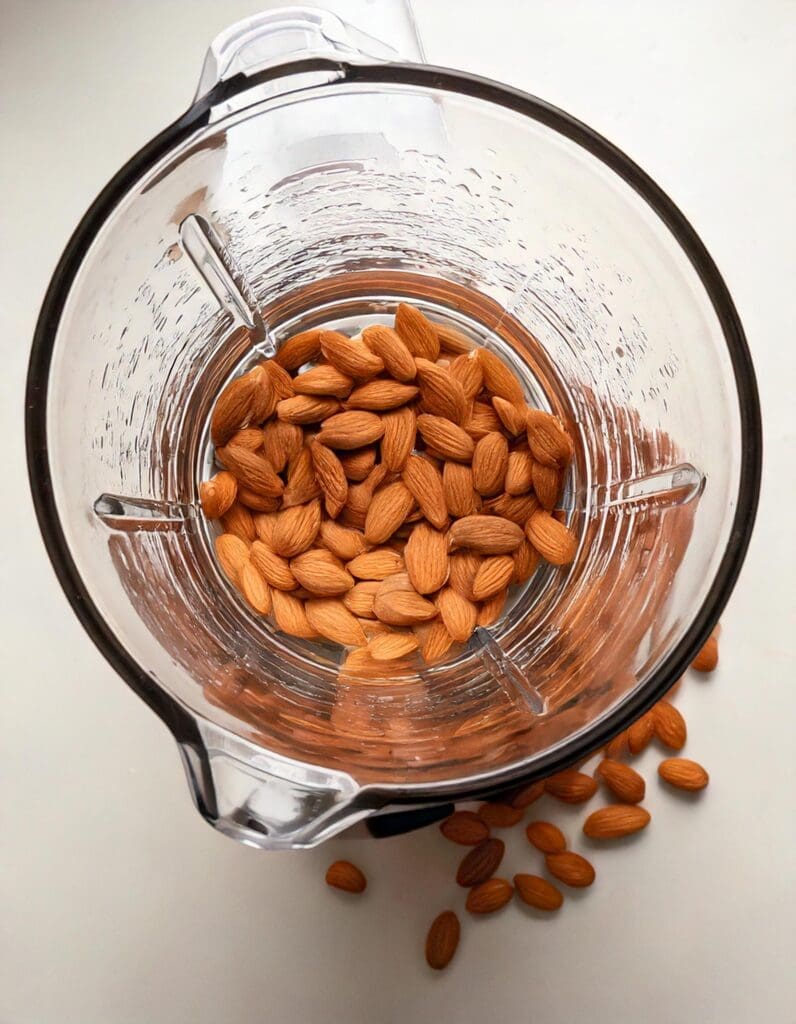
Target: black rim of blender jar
column 180, row 721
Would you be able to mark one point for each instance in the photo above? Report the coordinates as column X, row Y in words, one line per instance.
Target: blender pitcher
column 320, row 178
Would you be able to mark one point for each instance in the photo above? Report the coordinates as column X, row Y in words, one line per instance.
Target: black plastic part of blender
column 180, row 722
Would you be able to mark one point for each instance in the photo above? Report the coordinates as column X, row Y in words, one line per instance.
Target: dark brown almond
column 480, row 863
column 281, row 441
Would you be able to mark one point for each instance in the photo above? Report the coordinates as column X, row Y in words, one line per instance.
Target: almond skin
column 489, row 896
column 464, row 566
column 280, row 441
column 232, row 554
column 330, row 476
column 218, row 494
column 571, row 786
column 549, row 442
column 358, row 464
column 441, row 394
column 488, row 535
column 280, row 385
column 494, row 574
column 683, row 774
column 526, row 559
column 616, row 821
column 401, row 608
column 381, row 395
column 426, row 557
column 386, row 343
column 252, row 470
column 446, row 437
column 490, row 461
column 625, row 783
column 511, row 414
column 258, row 502
column 343, row 542
column 466, row 369
column 306, row 409
column 235, row 408
column 570, row 868
column 482, row 420
column 480, row 863
column 460, row 495
column 538, row 892
column 452, row 340
column 670, row 727
column 389, row 646
column 498, row 378
column 352, row 429
column 346, row 876
column 442, row 940
column 274, row 569
column 435, row 640
column 708, row 657
column 376, row 565
column 302, row 484
column 352, row 358
column 324, row 380
column 519, row 472
column 319, row 572
column 301, row 348
column 554, row 541
column 546, row 484
column 255, row 589
column 546, row 837
column 238, row 520
column 248, row 437
column 491, row 609
column 296, row 529
column 265, row 524
column 517, row 509
column 400, row 429
column 417, row 332
column 424, row 481
column 459, row 615
column 330, row 618
column 465, row 828
column 640, row 733
column 359, row 599
column 388, row 509
column 290, row 615
column 499, row 815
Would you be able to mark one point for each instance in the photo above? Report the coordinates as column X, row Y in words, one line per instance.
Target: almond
column 441, row 394
column 683, row 774
column 351, row 429
column 442, row 940
column 323, row 380
column 482, row 420
column 518, row 509
column 306, row 409
column 571, row 786
column 426, row 557
column 538, row 892
column 402, row 608
column 488, row 535
column 424, row 482
column 459, row 615
column 387, row 345
column 546, row 484
column 330, row 617
column 446, row 437
column 465, row 828
column 480, row 863
column 417, row 332
column 290, row 616
column 232, row 554
column 617, row 747
column 528, row 795
column 555, row 542
column 376, row 565
column 265, row 524
column 248, row 437
column 281, row 441
column 280, row 386
column 272, row 567
column 499, row 815
column 491, row 609
column 519, row 473
column 460, row 496
column 234, row 408
column 452, row 340
column 490, row 461
column 302, row 484
column 346, row 876
column 330, row 476
column 400, row 429
column 466, row 369
column 625, row 783
column 252, row 470
column 489, row 896
column 255, row 589
column 389, row 646
column 296, row 529
column 435, row 640
column 549, row 442
column 350, row 357
column 494, row 575
column 381, row 395
column 640, row 733
column 526, row 560
column 257, row 502
column 319, row 572
column 359, row 599
column 238, row 520
column 301, row 348
column 616, row 821
column 546, row 837
column 511, row 414
column 669, row 725
column 342, row 541
column 570, row 868
column 498, row 378
column 708, row 657
column 464, row 566
column 388, row 509
column 357, row 465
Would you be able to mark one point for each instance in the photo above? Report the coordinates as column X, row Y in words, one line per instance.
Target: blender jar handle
column 285, row 34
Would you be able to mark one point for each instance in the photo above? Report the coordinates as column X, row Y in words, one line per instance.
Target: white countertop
column 118, row 904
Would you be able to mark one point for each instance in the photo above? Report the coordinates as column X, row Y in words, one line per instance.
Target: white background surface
column 117, row 903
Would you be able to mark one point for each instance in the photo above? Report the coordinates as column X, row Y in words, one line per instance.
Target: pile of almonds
column 384, row 491
column 487, row 893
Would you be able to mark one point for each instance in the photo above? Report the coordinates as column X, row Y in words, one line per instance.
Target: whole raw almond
column 460, row 495
column 466, row 369
column 359, row 599
column 480, row 863
column 238, row 520
column 342, row 541
column 248, row 437
column 281, row 441
column 570, row 868
column 400, row 430
column 538, row 892
column 280, row 385
column 624, row 782
column 494, row 574
column 346, row 876
column 527, row 795
column 683, row 774
column 465, row 828
column 301, row 348
column 490, row 461
column 617, row 747
column 258, row 502
column 351, row 429
column 446, row 437
column 616, row 821
column 381, row 395
column 386, row 343
column 424, row 481
column 499, row 815
column 417, row 332
column 489, row 896
column 549, row 442
column 482, row 420
column 255, row 589
column 519, row 472
column 435, row 640
column 526, row 559
column 487, row 535
column 708, row 657
column 302, row 484
column 319, row 572
column 402, row 608
column 511, row 414
column 491, row 609
column 274, row 569
column 546, row 837
column 546, row 484
column 330, row 476
column 517, row 508
column 555, row 542
column 670, row 727
column 235, row 408
column 296, row 529
column 571, row 786
column 640, row 733
column 252, row 470
column 452, row 340
column 441, row 393
column 376, row 565
column 464, row 566
column 498, row 378
column 426, row 557
column 442, row 940
column 290, row 616
column 232, row 554
column 388, row 509
column 352, row 358
column 330, row 617
column 306, row 408
column 265, row 524
column 323, row 380
column 459, row 615
column 389, row 646
column 358, row 464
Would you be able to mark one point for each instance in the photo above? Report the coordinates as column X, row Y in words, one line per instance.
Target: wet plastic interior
column 330, row 205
